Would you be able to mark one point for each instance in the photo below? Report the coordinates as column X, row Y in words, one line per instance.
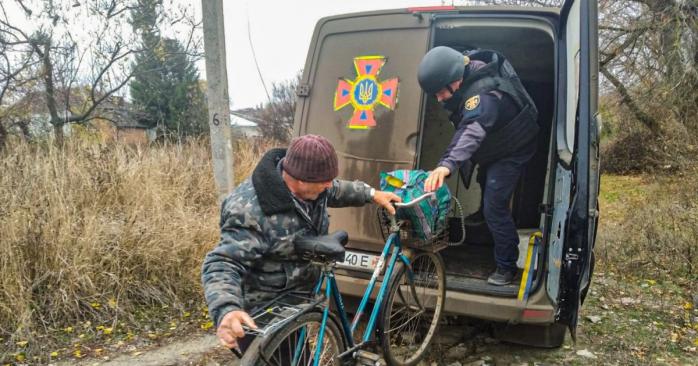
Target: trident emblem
column 365, row 92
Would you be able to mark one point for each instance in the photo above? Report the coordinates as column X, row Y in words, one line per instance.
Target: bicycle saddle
column 326, row 248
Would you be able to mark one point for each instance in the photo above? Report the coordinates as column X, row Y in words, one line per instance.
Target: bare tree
column 648, row 53
column 16, row 61
column 275, row 118
column 81, row 52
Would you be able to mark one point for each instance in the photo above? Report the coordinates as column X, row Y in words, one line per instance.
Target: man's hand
column 385, row 199
column 230, row 329
column 436, row 178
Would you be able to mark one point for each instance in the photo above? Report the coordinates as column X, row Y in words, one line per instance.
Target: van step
column 480, row 286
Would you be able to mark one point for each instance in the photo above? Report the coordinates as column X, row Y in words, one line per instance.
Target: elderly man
column 496, row 128
column 287, row 196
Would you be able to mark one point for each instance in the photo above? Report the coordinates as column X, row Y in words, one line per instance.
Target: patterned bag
column 428, row 218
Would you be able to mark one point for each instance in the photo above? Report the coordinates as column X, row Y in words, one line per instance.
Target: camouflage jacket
column 255, row 259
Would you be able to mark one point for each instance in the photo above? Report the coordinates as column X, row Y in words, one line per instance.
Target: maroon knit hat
column 311, row 158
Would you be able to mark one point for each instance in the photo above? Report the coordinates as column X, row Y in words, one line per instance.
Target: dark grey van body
column 359, row 89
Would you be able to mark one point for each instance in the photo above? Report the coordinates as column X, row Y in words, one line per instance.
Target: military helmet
column 440, row 67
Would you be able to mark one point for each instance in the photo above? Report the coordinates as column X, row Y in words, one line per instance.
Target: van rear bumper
column 538, row 310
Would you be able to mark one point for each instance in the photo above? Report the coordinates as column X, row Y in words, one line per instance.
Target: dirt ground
column 623, row 323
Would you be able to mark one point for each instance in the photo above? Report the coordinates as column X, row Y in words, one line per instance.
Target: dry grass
column 94, row 232
column 649, row 225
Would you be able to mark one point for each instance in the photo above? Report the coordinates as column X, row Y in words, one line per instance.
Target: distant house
column 122, row 125
column 113, row 120
column 244, row 126
column 125, row 131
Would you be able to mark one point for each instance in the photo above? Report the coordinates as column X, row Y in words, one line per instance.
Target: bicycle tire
column 404, row 290
column 268, row 351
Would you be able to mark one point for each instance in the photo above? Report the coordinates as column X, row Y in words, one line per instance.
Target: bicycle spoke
column 405, row 324
column 413, row 310
column 312, row 345
column 301, row 341
column 289, row 344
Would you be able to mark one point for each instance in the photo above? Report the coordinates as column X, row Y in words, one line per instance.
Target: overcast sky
column 281, row 32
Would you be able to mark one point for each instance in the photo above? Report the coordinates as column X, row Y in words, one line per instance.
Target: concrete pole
column 217, row 93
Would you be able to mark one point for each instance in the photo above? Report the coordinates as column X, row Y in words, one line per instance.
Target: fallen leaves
column 587, row 354
column 105, row 330
column 593, row 318
column 627, row 301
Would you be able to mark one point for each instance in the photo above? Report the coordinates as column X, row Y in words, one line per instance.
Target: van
column 359, row 89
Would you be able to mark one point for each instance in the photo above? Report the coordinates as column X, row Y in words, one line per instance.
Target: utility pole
column 217, row 93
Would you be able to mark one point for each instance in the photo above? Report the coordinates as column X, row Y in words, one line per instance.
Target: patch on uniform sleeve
column 472, row 103
column 472, row 108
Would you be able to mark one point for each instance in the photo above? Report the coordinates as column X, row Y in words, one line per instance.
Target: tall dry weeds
column 94, row 232
column 656, row 234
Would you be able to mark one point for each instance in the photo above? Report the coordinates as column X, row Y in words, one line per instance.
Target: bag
column 428, row 218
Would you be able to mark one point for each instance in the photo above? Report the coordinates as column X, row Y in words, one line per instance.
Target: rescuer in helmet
column 496, row 129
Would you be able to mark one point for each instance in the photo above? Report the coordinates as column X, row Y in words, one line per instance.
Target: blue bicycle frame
column 332, row 292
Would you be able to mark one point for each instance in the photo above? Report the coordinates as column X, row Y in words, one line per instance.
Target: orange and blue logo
column 365, row 92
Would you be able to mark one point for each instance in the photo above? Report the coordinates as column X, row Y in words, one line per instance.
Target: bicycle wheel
column 295, row 344
column 410, row 314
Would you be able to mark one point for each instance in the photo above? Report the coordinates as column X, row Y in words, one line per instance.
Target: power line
column 254, row 57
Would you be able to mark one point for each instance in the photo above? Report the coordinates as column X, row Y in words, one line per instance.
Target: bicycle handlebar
column 415, row 201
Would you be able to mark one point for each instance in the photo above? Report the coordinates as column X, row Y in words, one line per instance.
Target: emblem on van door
column 365, row 92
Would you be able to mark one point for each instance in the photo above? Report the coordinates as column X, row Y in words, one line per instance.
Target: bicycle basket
column 425, row 223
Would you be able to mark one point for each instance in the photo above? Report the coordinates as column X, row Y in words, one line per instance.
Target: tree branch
column 632, row 38
column 643, row 117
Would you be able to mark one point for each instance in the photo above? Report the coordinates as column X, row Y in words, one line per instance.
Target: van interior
column 529, row 46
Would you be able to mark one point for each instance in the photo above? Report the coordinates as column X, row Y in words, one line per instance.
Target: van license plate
column 361, row 261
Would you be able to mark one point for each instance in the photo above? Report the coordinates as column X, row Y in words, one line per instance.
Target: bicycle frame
column 392, row 245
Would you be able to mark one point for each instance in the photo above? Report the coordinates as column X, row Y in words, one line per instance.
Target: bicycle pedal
column 365, row 358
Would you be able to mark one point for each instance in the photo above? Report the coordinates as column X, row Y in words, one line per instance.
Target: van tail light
column 430, row 9
column 536, row 314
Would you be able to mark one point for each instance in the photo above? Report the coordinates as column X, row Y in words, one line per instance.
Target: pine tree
column 165, row 89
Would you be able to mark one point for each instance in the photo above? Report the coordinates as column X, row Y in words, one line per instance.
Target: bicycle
column 297, row 330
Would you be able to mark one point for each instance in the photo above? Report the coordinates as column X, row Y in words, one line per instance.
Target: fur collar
column 272, row 193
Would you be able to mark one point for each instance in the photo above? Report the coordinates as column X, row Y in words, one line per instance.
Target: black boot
column 501, row 277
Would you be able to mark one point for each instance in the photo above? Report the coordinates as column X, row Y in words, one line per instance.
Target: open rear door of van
column 359, row 89
column 578, row 146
